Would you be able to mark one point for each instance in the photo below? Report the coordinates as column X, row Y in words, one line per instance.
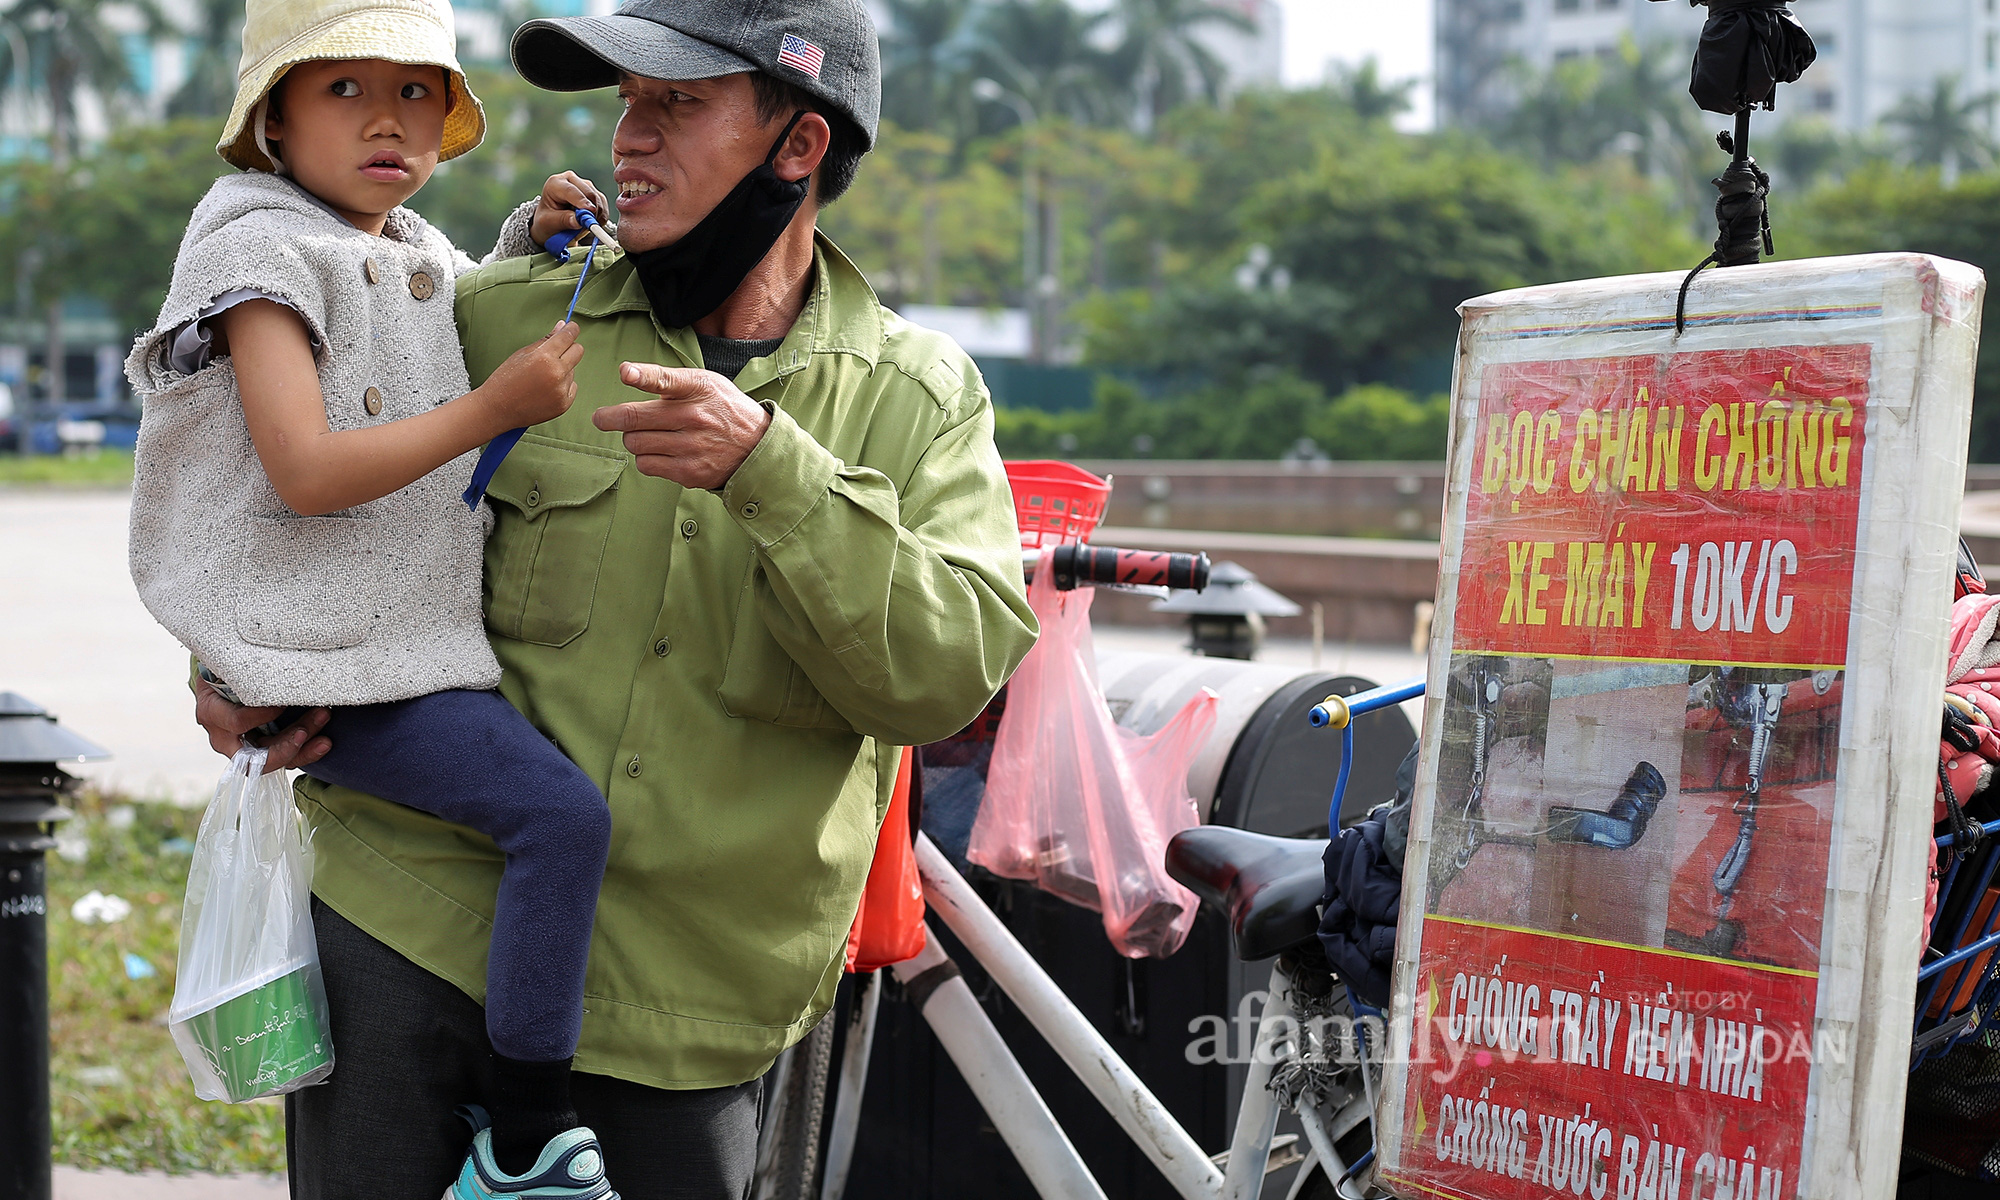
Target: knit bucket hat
column 280, row 34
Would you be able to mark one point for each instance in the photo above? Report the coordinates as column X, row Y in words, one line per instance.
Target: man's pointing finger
column 642, row 415
column 671, row 383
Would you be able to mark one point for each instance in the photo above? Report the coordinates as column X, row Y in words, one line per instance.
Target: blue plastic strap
column 495, row 451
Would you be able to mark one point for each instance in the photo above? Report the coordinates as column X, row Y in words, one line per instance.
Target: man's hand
column 696, row 432
column 226, row 724
column 561, row 196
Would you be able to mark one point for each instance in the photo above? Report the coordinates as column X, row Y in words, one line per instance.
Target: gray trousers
column 409, row 1048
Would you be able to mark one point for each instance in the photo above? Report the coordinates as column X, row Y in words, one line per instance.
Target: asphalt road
column 75, row 639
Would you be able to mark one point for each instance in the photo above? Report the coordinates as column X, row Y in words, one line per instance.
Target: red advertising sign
column 1616, row 979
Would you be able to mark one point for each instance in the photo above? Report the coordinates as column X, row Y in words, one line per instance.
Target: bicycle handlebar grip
column 1076, row 565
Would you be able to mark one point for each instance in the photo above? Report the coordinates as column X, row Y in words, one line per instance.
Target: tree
column 1805, row 150
column 1377, row 244
column 926, row 47
column 1164, row 61
column 128, row 235
column 215, row 44
column 1632, row 102
column 1365, row 92
column 1943, row 129
column 72, row 48
column 1047, row 51
column 1883, row 207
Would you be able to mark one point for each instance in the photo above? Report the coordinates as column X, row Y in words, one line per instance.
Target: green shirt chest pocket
column 553, row 505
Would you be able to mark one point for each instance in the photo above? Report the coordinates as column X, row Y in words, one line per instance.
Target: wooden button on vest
column 421, row 286
column 372, row 401
column 371, row 271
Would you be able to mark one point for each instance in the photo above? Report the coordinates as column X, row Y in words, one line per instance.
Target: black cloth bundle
column 1748, row 48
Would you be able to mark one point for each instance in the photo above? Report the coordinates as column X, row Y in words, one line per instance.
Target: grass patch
column 122, row 1096
column 99, row 468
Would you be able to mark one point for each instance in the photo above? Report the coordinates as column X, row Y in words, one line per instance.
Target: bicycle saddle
column 1269, row 887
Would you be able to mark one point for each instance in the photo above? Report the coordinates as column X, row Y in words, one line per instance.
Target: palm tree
column 1371, row 99
column 1162, row 55
column 1047, row 51
column 926, row 47
column 215, row 43
column 1943, row 130
column 76, row 50
column 1644, row 91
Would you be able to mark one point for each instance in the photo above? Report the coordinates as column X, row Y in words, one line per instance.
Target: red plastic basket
column 1056, row 502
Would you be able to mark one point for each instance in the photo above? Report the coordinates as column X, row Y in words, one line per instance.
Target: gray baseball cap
column 824, row 47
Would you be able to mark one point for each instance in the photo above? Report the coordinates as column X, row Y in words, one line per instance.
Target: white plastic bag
column 249, row 1011
column 1079, row 805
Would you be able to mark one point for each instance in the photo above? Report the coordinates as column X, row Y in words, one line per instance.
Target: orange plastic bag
column 1079, row 806
column 890, row 926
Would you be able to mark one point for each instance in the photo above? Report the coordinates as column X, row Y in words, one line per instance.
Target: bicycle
column 1310, row 1049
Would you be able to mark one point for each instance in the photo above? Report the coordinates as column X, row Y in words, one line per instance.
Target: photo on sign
column 1558, row 790
column 1758, row 763
column 1658, row 805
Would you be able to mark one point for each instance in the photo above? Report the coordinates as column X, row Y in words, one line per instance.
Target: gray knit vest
column 378, row 602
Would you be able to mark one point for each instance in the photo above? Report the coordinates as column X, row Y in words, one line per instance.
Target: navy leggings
column 473, row 759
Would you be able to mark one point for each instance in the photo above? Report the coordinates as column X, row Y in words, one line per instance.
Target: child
column 297, row 522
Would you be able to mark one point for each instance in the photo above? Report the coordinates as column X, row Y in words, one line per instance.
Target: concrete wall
column 1374, row 499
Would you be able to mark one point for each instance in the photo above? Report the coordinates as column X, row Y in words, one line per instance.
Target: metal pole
column 853, row 1083
column 25, row 1171
column 1054, row 1169
column 1122, row 1093
column 1257, row 1115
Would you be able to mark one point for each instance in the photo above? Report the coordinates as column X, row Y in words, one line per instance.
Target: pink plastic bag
column 1079, row 806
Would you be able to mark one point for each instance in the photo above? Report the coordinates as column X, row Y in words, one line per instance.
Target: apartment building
column 1872, row 53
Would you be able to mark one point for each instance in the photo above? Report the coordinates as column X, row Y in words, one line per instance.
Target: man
column 730, row 601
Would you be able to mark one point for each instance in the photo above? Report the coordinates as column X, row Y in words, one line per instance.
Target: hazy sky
column 1397, row 33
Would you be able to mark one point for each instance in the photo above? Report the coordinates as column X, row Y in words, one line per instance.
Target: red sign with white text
column 1546, row 1066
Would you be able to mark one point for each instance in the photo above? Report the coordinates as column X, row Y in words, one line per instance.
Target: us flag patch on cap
column 800, row 55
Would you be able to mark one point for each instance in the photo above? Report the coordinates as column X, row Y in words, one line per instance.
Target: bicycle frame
column 1017, row 1110
column 1054, row 1167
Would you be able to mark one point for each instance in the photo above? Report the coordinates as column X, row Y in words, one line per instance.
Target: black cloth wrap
column 1748, row 48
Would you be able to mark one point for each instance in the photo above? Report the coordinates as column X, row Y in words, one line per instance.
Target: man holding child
column 768, row 546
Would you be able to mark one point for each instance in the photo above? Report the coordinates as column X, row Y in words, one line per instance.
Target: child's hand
column 537, row 382
column 562, row 195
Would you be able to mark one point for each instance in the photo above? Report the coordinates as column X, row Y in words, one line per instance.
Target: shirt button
column 688, row 528
column 371, row 400
column 371, row 270
column 534, row 496
column 663, row 647
column 421, row 286
column 632, row 768
column 750, row 509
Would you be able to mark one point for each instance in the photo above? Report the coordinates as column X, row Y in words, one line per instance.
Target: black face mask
column 690, row 279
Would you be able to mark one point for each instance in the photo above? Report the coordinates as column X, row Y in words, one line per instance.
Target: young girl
column 297, row 522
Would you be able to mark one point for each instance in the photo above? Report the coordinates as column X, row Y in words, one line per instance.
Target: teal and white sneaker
column 570, row 1167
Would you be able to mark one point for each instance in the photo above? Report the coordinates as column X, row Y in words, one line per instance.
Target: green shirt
column 736, row 670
